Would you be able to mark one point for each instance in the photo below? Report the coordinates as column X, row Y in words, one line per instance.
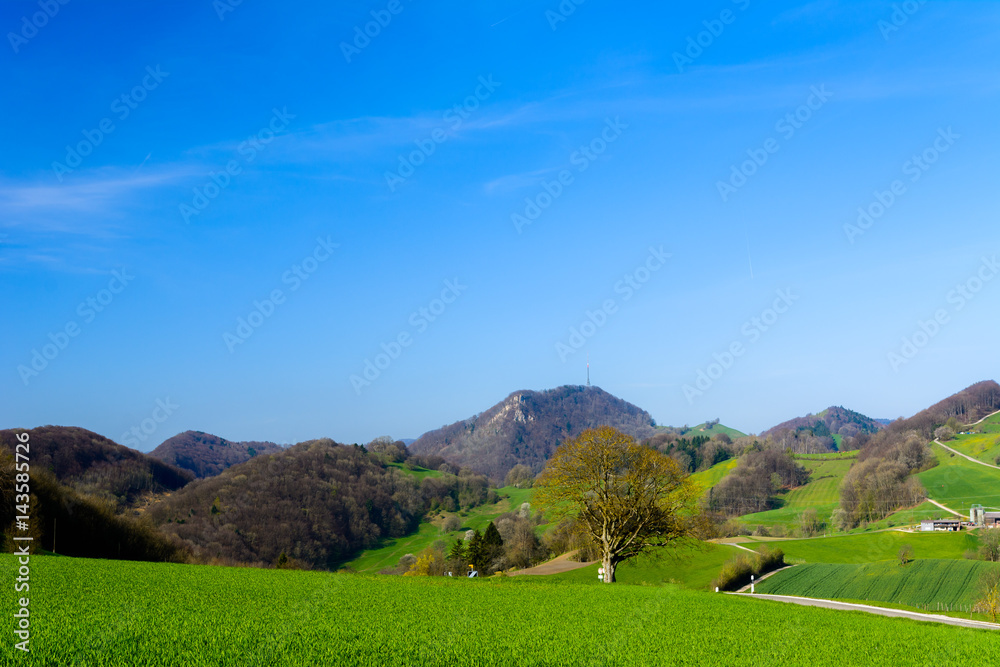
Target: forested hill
column 207, row 455
column 964, row 407
column 527, row 426
column 96, row 466
column 834, row 420
column 317, row 502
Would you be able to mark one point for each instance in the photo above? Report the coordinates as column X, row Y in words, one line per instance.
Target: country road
column 946, row 509
column 955, row 451
column 983, row 419
column 881, row 611
column 557, row 565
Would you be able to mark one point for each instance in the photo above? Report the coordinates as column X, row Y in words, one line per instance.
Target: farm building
column 941, row 524
column 980, row 517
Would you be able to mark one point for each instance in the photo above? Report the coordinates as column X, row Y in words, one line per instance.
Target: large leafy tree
column 629, row 498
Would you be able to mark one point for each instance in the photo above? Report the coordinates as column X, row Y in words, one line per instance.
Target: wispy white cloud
column 91, row 193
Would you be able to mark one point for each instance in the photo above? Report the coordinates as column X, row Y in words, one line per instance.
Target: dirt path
column 955, row 451
column 983, row 419
column 946, row 509
column 557, row 565
column 881, row 611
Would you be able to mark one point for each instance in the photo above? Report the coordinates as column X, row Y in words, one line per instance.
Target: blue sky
column 255, row 155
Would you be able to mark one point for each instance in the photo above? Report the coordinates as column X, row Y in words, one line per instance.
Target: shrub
column 944, row 433
column 736, row 572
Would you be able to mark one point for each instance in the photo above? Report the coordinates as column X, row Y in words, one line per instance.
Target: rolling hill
column 712, row 428
column 527, row 426
column 833, row 421
column 207, row 455
column 94, row 465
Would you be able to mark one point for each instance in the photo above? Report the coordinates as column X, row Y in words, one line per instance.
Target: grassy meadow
column 112, row 613
column 689, row 566
column 983, row 443
column 959, row 483
column 872, row 547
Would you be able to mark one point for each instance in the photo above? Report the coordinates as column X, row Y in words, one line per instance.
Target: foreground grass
column 873, row 547
column 934, row 584
column 116, row 613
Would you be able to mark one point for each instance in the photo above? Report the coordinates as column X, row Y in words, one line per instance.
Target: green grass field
column 418, row 472
column 820, row 493
column 923, row 584
column 717, row 428
column 690, row 566
column 906, row 517
column 873, row 547
column 107, row 613
column 709, row 478
column 959, row 483
column 390, row 551
column 983, row 443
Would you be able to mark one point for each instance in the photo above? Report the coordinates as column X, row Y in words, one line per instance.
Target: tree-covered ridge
column 527, row 426
column 318, row 503
column 96, row 466
column 207, row 455
column 835, row 420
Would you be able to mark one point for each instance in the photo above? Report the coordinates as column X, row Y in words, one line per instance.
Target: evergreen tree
column 492, row 550
column 474, row 552
column 457, row 551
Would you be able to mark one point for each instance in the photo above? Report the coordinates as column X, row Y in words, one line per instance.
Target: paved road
column 881, row 611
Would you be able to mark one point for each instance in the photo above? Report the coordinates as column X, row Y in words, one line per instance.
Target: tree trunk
column 609, row 569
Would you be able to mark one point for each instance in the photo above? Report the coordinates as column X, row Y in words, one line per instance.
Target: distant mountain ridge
column 207, row 455
column 835, row 420
column 527, row 426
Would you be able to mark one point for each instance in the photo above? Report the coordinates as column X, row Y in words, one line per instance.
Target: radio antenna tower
column 588, row 369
